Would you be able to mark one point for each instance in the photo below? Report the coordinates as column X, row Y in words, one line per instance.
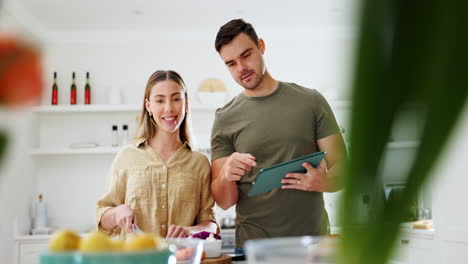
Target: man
column 268, row 123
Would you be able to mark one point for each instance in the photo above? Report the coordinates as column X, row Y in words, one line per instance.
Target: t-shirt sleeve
column 326, row 124
column 221, row 145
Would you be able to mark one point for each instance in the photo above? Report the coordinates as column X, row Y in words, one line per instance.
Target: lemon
column 141, row 242
column 95, row 242
column 117, row 245
column 64, row 240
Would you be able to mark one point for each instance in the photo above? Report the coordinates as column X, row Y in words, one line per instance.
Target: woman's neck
column 165, row 144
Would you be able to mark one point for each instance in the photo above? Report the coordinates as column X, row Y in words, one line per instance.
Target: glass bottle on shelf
column 87, row 98
column 124, row 135
column 55, row 90
column 115, row 136
column 73, row 90
column 40, row 217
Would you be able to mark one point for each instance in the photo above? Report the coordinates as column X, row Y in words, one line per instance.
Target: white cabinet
column 453, row 252
column 29, row 248
column 417, row 247
column 450, row 197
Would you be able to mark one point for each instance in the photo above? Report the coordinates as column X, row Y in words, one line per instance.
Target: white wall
column 16, row 183
column 449, row 185
column 315, row 57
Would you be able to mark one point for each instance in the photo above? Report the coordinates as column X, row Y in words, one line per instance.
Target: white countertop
column 420, row 233
column 32, row 237
column 36, row 237
column 405, row 229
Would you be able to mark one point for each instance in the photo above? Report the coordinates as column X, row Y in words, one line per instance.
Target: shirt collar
column 142, row 142
column 139, row 142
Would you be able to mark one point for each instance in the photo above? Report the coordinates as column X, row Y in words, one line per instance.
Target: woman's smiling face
column 167, row 105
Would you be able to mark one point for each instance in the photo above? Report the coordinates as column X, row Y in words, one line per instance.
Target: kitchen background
column 121, row 43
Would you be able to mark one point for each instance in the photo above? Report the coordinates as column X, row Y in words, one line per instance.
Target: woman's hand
column 125, row 217
column 178, row 231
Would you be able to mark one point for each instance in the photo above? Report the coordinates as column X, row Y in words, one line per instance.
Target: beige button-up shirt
column 160, row 194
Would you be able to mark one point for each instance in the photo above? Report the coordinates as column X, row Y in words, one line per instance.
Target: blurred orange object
column 184, row 254
column 422, row 224
column 21, row 76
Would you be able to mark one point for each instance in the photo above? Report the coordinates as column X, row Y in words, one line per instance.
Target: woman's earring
column 150, row 113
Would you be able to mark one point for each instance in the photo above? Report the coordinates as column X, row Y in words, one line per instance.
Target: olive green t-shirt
column 275, row 128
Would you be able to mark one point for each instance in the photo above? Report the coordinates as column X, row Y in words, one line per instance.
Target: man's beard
column 258, row 81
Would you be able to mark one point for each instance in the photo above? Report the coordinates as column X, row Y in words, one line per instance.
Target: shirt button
column 164, row 167
column 163, row 185
column 163, row 206
column 163, row 226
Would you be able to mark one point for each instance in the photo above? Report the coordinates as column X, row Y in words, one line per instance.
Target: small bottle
column 40, row 220
column 124, row 135
column 55, row 90
column 87, row 97
column 73, row 90
column 115, row 136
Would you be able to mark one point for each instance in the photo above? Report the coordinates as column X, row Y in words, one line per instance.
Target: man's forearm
column 333, row 173
column 224, row 193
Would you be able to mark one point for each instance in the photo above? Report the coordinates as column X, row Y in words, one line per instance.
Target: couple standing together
column 164, row 187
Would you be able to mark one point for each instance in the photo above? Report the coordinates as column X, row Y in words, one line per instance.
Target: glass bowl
column 185, row 250
column 304, row 249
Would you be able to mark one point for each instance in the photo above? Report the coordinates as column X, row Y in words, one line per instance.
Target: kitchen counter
column 405, row 229
column 32, row 237
column 38, row 237
column 419, row 233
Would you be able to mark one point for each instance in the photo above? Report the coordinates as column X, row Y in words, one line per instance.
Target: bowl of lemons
column 67, row 247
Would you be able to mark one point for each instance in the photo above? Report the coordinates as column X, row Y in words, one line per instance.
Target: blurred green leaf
column 408, row 52
column 3, row 145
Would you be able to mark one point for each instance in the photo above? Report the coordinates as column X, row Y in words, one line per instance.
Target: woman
column 159, row 183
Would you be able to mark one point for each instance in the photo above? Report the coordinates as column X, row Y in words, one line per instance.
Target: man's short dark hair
column 233, row 28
